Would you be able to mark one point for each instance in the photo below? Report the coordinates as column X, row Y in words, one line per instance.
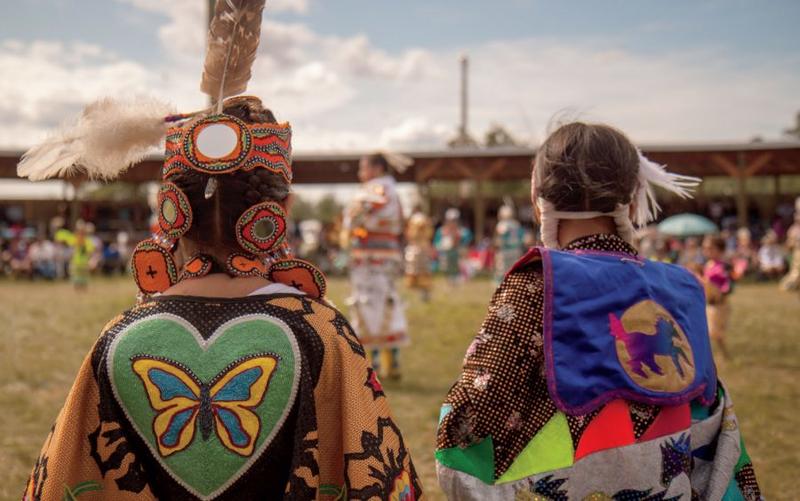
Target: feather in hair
column 107, row 138
column 233, row 38
column 397, row 161
column 652, row 174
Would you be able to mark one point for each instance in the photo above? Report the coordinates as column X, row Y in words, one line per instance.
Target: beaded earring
column 153, row 267
column 198, row 266
column 262, row 228
column 174, row 211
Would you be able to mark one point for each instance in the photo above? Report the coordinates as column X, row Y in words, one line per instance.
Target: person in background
column 373, row 225
column 718, row 286
column 43, row 254
column 450, row 240
column 419, row 233
column 771, row 260
column 692, row 253
column 509, row 242
column 744, row 257
column 792, row 280
column 82, row 249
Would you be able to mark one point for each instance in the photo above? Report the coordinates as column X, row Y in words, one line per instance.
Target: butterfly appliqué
column 224, row 405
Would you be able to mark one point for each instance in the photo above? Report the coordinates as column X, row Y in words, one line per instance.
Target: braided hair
column 213, row 229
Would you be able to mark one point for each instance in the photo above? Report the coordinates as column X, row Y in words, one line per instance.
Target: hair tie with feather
column 652, row 174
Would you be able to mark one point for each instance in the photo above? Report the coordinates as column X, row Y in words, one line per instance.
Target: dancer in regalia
column 232, row 378
column 81, row 249
column 509, row 242
column 451, row 240
column 592, row 377
column 792, row 279
column 373, row 225
column 419, row 233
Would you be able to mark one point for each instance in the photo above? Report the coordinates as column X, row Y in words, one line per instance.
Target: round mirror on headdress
column 217, row 144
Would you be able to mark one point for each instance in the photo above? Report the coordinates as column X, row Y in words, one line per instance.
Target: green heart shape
column 205, row 467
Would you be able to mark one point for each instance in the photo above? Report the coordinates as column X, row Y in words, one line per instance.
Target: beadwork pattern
column 261, row 228
column 174, row 211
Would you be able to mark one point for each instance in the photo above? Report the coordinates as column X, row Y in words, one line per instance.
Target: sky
column 365, row 74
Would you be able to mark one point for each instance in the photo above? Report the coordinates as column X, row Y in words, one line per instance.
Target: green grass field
column 47, row 330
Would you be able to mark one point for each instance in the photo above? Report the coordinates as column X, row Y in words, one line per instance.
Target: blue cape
column 617, row 326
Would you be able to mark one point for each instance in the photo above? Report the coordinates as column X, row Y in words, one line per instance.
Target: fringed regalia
column 374, row 224
column 592, row 378
column 206, row 398
column 419, row 234
column 261, row 397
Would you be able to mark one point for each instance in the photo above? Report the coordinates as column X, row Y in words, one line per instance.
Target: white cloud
column 415, row 133
column 345, row 93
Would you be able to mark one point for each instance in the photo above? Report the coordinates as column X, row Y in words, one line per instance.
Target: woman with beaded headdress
column 592, row 376
column 233, row 378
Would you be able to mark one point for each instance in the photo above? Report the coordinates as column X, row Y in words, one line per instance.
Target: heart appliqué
column 206, row 408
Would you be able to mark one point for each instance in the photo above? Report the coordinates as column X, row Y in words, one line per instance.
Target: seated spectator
column 771, row 261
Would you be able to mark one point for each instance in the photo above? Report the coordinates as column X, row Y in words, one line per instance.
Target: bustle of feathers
column 109, row 136
column 233, row 39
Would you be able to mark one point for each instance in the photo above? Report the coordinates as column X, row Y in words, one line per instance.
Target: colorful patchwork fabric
column 253, row 398
column 502, row 436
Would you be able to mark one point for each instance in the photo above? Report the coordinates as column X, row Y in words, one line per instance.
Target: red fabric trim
column 670, row 420
column 610, row 429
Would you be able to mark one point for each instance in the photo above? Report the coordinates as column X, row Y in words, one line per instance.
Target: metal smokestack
column 464, row 60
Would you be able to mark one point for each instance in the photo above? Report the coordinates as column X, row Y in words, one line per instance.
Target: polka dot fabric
column 502, row 391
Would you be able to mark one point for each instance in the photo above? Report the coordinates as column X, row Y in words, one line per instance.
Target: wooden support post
column 741, row 190
column 479, row 208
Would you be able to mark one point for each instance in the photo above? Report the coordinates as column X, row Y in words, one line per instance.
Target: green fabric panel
column 550, row 449
column 476, row 460
column 699, row 411
column 744, row 457
column 732, row 493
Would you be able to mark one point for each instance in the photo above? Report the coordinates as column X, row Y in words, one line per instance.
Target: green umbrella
column 687, row 225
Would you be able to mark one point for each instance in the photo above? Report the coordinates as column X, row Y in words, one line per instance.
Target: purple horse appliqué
column 643, row 348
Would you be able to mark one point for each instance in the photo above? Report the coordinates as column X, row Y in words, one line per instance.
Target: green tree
column 328, row 209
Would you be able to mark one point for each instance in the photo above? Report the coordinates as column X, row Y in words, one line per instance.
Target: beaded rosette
column 217, row 145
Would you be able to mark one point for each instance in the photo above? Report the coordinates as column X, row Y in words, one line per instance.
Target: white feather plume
column 109, row 136
column 652, row 174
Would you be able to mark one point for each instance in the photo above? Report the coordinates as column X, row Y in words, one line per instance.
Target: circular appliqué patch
column 261, row 228
column 652, row 348
column 299, row 274
column 153, row 267
column 217, row 144
column 174, row 211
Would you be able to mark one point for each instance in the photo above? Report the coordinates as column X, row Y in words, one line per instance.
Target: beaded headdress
column 111, row 135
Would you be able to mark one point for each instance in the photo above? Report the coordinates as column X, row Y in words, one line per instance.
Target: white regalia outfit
column 374, row 225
